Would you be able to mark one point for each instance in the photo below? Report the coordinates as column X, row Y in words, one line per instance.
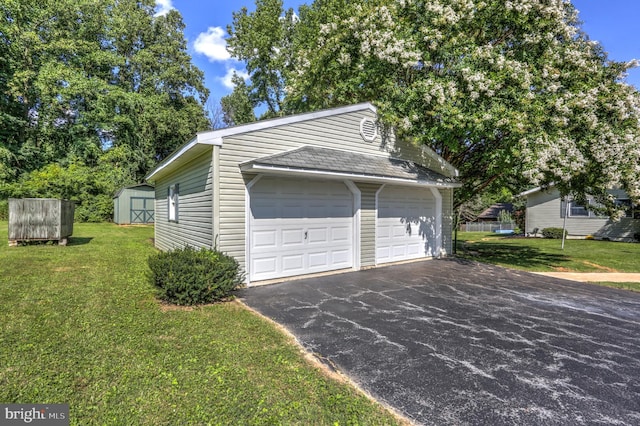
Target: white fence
column 486, row 226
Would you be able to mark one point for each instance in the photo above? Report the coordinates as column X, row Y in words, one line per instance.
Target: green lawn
column 546, row 255
column 80, row 325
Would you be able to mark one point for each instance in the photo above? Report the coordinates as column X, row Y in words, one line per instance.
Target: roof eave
column 165, row 165
column 299, row 172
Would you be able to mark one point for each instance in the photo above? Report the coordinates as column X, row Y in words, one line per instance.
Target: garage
column 406, row 223
column 299, row 226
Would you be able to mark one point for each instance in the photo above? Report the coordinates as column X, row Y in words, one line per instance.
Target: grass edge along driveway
column 547, row 255
column 80, row 325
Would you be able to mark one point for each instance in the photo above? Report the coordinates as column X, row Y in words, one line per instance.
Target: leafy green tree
column 86, row 84
column 264, row 40
column 237, row 107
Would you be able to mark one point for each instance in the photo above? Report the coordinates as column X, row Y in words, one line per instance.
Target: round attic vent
column 368, row 129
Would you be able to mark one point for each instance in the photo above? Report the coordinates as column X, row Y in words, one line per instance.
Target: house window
column 173, row 194
column 630, row 210
column 577, row 210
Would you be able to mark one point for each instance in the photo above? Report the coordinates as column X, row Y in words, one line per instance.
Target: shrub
column 555, row 233
column 188, row 276
column 636, row 236
column 4, row 209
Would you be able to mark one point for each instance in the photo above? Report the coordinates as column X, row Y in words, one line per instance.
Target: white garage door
column 299, row 227
column 405, row 226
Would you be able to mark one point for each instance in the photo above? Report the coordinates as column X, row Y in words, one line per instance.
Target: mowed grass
column 80, row 325
column 547, row 255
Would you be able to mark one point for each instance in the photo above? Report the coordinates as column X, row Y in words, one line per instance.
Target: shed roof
column 138, row 185
column 312, row 160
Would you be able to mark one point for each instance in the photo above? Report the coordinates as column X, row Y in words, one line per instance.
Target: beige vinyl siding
column 368, row 223
column 337, row 132
column 195, row 208
column 544, row 210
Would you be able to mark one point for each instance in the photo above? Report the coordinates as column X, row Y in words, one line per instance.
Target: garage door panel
column 293, row 263
column 341, row 257
column 292, row 237
column 398, row 230
column 265, row 264
column 318, row 260
column 341, row 234
column 318, row 235
column 264, row 239
column 312, row 222
column 404, row 227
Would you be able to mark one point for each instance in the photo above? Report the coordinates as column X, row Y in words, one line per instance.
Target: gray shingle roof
column 311, row 158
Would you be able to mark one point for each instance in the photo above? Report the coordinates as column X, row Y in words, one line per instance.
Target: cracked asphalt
column 456, row 342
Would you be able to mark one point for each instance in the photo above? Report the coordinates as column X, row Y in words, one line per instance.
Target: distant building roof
column 493, row 212
column 138, row 185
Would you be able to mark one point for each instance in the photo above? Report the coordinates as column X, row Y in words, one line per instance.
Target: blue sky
column 614, row 23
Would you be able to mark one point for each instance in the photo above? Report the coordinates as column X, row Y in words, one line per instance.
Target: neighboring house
column 304, row 194
column 134, row 204
column 492, row 213
column 546, row 209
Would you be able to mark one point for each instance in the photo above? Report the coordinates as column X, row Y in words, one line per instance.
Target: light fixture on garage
column 368, row 129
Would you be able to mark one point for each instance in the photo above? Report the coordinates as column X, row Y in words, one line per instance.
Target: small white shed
column 134, row 204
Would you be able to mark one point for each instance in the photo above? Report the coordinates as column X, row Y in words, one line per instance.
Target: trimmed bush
column 554, row 233
column 188, row 276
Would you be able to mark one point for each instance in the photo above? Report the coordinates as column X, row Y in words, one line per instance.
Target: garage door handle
column 306, row 234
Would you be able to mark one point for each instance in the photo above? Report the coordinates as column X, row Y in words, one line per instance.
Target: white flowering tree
column 512, row 93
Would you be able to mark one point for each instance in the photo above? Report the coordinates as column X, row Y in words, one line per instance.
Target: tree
column 264, row 40
column 512, row 93
column 237, row 107
column 85, row 81
column 215, row 114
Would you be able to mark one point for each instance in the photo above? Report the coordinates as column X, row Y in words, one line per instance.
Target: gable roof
column 138, row 185
column 203, row 140
column 308, row 160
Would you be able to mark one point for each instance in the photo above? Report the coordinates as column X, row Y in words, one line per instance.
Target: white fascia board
column 291, row 119
column 443, row 163
column 534, row 190
column 198, row 140
column 529, row 192
column 285, row 171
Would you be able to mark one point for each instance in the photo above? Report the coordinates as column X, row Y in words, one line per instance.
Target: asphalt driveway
column 455, row 342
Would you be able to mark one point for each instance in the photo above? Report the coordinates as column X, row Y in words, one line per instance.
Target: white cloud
column 226, row 80
column 212, row 44
column 163, row 6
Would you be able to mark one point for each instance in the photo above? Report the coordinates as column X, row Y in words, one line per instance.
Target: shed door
column 405, row 226
column 142, row 210
column 299, row 227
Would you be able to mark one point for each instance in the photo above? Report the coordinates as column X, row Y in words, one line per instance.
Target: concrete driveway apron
column 454, row 342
